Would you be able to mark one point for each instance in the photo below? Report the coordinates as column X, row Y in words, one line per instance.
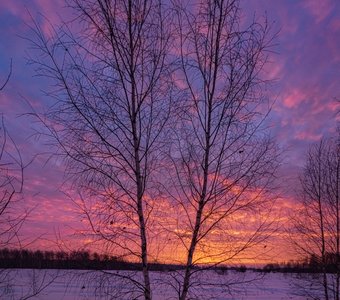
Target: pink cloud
column 334, row 106
column 294, row 99
column 290, row 24
column 51, row 10
column 332, row 43
column 307, row 136
column 274, row 69
column 16, row 8
column 335, row 25
column 319, row 9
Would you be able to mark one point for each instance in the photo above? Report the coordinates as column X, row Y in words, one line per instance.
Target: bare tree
column 317, row 223
column 11, row 184
column 11, row 181
column 12, row 167
column 111, row 102
column 224, row 160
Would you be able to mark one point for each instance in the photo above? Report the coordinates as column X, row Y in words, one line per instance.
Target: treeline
column 311, row 264
column 84, row 260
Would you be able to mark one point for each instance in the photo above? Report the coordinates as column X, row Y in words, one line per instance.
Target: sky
column 304, row 68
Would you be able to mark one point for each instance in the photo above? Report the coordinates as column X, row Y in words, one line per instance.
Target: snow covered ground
column 93, row 285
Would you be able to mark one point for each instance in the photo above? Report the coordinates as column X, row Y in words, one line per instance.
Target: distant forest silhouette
column 83, row 260
column 86, row 260
column 312, row 264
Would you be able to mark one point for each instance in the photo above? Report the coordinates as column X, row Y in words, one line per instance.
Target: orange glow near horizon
column 165, row 246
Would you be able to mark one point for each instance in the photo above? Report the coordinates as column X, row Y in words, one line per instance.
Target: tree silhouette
column 317, row 223
column 114, row 79
column 11, row 181
column 223, row 159
column 112, row 100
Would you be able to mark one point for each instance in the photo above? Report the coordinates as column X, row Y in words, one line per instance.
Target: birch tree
column 112, row 99
column 317, row 223
column 223, row 158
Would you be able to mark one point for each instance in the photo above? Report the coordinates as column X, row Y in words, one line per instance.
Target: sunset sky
column 305, row 74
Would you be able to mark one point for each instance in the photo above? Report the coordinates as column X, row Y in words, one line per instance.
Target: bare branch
column 8, row 77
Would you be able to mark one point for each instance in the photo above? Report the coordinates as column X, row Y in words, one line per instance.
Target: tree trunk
column 138, row 170
column 186, row 280
column 322, row 228
column 337, row 187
